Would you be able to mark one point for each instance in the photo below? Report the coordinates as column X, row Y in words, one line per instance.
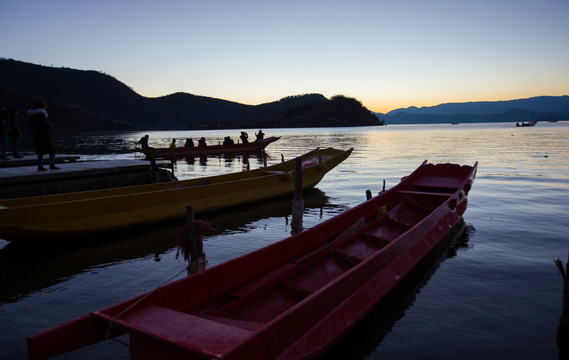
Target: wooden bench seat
column 195, row 332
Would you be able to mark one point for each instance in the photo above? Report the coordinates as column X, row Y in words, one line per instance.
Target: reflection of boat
column 72, row 214
column 292, row 299
column 20, row 278
column 529, row 123
column 367, row 335
column 238, row 148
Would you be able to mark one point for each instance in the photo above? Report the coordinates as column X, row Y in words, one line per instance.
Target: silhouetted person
column 244, row 137
column 41, row 127
column 201, row 142
column 14, row 133
column 144, row 142
column 3, row 133
column 173, row 144
column 228, row 141
column 260, row 136
column 189, row 143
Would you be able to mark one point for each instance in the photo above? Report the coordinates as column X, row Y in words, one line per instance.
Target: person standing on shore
column 14, row 133
column 3, row 133
column 41, row 127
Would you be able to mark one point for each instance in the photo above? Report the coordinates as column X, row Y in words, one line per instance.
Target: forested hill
column 91, row 100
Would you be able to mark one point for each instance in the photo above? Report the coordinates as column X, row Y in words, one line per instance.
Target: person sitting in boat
column 244, row 137
column 260, row 136
column 173, row 144
column 189, row 143
column 228, row 141
column 144, row 142
column 201, row 142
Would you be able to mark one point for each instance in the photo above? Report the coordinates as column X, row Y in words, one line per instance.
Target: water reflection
column 25, row 268
column 367, row 335
column 521, row 222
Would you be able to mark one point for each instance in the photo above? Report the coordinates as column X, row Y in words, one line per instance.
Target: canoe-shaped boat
column 64, row 215
column 238, row 148
column 292, row 299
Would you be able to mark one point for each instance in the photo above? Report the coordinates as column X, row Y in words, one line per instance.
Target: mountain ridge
column 91, row 100
column 527, row 109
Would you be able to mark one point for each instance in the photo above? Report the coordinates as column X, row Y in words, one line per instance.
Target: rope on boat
column 107, row 335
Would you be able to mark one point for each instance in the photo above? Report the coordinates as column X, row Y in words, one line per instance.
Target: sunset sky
column 387, row 54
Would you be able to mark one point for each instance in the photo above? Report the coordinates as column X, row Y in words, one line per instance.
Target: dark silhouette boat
column 238, row 148
column 529, row 123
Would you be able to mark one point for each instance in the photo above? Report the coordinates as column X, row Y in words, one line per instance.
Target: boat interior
column 324, row 261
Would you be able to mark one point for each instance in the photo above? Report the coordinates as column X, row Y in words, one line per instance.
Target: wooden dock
column 72, row 175
column 29, row 160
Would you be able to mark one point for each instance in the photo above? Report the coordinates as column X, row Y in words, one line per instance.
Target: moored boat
column 292, row 299
column 238, row 148
column 64, row 215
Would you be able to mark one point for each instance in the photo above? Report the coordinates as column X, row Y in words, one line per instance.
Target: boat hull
column 294, row 298
column 65, row 215
column 238, row 148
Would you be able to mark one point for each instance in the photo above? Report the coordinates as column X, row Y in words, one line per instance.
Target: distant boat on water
column 529, row 123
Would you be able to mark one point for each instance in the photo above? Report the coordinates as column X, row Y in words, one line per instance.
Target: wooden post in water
column 191, row 237
column 172, row 161
column 298, row 202
column 154, row 168
column 563, row 328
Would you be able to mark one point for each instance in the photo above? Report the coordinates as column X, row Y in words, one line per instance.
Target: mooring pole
column 191, row 237
column 563, row 327
column 298, row 202
column 172, row 161
column 154, row 169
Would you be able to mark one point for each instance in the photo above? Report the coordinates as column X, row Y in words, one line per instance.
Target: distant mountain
column 535, row 108
column 90, row 100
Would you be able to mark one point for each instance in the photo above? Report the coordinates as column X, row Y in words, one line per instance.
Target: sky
column 386, row 54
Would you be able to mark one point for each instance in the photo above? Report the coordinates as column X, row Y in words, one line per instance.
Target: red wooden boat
column 292, row 299
column 239, row 148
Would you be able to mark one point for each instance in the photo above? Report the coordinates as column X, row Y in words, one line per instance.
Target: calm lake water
column 493, row 293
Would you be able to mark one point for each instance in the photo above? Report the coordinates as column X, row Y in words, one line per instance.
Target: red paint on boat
column 292, row 299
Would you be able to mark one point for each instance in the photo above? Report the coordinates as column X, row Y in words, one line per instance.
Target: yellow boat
column 65, row 215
